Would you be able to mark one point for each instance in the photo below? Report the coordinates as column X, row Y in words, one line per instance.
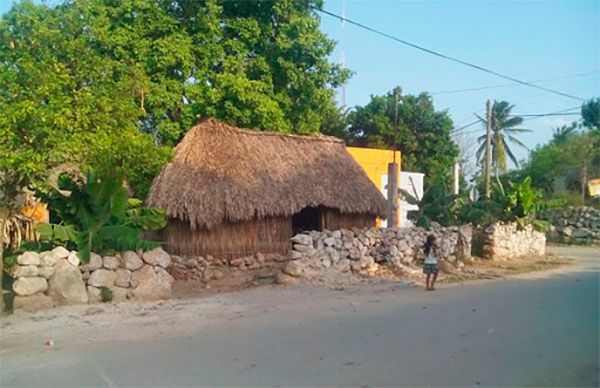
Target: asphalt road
column 517, row 332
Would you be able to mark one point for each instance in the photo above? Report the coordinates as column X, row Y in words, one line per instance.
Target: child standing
column 431, row 263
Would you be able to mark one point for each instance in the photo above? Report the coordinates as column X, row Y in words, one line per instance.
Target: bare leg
column 435, row 274
column 427, row 277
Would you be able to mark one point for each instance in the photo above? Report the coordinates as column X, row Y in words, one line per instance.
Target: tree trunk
column 583, row 181
column 2, row 307
column 3, row 214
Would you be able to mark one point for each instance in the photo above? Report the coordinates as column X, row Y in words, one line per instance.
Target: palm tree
column 504, row 128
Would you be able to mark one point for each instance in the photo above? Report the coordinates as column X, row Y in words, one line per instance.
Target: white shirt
column 431, row 257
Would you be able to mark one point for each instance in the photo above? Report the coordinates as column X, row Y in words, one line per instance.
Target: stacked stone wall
column 507, row 241
column 366, row 250
column 212, row 271
column 57, row 277
column 573, row 225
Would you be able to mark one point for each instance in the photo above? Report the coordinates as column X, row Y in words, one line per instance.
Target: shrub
column 436, row 205
column 106, row 294
column 95, row 214
column 517, row 203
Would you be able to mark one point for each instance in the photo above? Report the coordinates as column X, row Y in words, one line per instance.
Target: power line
column 511, row 84
column 547, row 114
column 558, row 112
column 466, row 126
column 465, row 117
column 528, row 117
column 444, row 56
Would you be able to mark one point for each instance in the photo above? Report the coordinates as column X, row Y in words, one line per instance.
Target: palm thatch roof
column 221, row 173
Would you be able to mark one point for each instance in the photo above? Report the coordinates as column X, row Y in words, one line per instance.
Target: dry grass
column 492, row 269
column 225, row 174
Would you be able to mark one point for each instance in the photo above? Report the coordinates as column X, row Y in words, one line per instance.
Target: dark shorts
column 430, row 268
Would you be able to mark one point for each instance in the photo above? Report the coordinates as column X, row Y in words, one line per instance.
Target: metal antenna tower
column 342, row 56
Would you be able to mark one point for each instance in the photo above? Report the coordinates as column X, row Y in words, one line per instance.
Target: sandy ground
column 113, row 321
column 535, row 328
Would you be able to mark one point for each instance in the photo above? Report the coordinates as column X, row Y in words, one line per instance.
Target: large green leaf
column 121, row 238
column 58, row 233
column 146, row 218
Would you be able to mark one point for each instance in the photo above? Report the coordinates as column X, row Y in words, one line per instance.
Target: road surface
column 525, row 331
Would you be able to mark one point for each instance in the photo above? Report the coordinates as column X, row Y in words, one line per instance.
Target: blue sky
column 527, row 40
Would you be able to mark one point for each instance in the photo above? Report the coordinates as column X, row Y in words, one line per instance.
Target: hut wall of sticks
column 231, row 192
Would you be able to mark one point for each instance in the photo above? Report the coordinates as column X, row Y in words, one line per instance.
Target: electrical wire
column 444, row 56
column 547, row 114
column 527, row 117
column 510, row 84
column 466, row 126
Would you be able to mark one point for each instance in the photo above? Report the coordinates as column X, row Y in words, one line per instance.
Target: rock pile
column 573, row 225
column 365, row 250
column 506, row 241
column 56, row 278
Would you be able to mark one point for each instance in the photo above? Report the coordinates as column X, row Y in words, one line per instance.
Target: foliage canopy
column 421, row 133
column 112, row 84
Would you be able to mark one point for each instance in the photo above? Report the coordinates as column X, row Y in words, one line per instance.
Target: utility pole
column 455, row 178
column 393, row 220
column 488, row 150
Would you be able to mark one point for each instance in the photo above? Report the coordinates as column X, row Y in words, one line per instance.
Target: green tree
column 504, row 128
column 590, row 113
column 335, row 122
column 113, row 84
column 571, row 155
column 261, row 65
column 420, row 132
column 62, row 101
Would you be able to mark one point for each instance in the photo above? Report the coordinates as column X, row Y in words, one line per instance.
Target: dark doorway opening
column 306, row 219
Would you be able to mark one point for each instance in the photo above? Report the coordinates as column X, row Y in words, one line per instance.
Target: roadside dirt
column 409, row 276
column 194, row 306
column 488, row 269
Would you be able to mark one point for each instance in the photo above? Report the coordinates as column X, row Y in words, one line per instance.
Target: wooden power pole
column 488, row 151
column 393, row 221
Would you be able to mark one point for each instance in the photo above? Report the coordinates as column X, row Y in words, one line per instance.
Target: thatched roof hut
column 230, row 180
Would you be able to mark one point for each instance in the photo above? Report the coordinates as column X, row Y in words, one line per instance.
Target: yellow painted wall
column 375, row 162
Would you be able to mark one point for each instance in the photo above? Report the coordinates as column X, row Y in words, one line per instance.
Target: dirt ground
column 491, row 269
column 215, row 304
column 476, row 269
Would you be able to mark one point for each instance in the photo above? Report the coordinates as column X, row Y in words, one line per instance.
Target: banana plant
column 516, row 203
column 436, row 205
column 96, row 215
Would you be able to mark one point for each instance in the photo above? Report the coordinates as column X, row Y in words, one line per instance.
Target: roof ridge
column 250, row 132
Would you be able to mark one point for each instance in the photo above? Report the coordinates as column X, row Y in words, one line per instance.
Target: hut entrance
column 306, row 219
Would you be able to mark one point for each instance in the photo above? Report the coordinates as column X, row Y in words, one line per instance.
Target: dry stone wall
column 211, row 271
column 366, row 250
column 573, row 225
column 506, row 241
column 57, row 277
